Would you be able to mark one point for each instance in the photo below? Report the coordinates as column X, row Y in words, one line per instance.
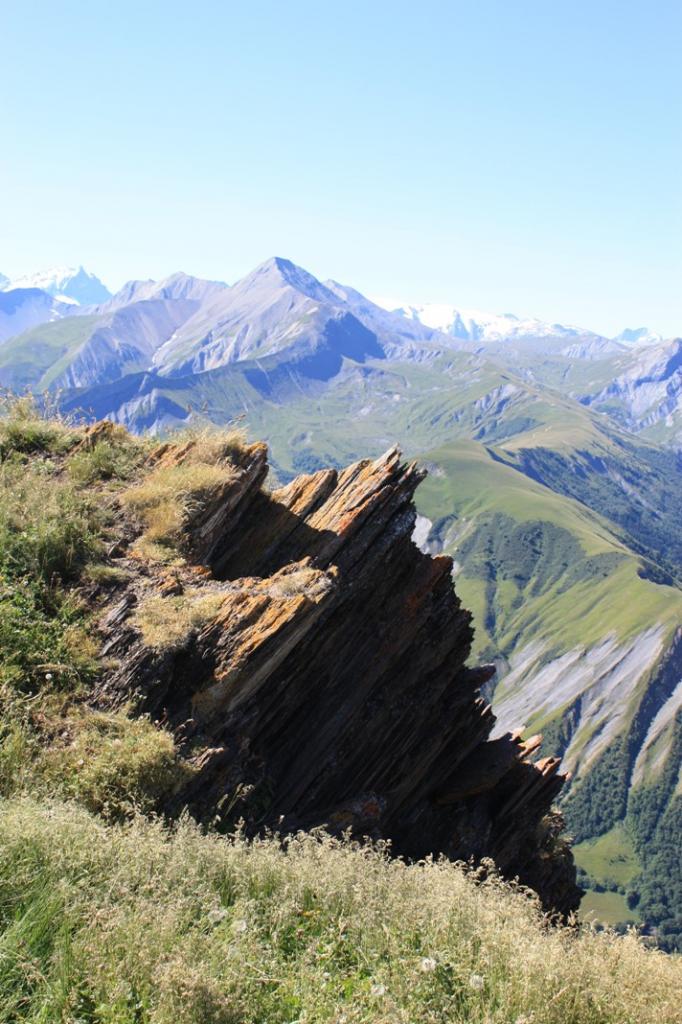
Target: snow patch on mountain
column 477, row 325
column 638, row 336
column 68, row 284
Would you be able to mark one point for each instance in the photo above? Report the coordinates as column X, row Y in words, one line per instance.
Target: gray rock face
column 125, row 341
column 277, row 306
column 648, row 389
column 176, row 287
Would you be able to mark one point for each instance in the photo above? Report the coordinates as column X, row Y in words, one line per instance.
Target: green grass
column 607, row 908
column 54, row 519
column 48, row 533
column 36, row 358
column 609, row 859
column 534, row 597
column 146, row 925
column 470, row 482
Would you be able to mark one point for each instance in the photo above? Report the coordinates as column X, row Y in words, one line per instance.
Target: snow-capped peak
column 477, row 325
column 68, row 284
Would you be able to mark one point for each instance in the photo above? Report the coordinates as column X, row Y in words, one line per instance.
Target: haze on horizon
column 520, row 158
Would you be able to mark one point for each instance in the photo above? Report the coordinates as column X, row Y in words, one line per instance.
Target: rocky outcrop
column 330, row 684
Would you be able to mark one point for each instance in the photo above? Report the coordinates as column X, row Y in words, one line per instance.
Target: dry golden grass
column 166, row 622
column 299, row 582
column 141, row 924
column 170, row 496
column 210, row 443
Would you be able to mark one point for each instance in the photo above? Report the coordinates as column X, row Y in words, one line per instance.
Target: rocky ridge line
column 330, row 685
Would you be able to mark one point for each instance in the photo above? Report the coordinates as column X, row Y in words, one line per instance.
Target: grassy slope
column 609, row 908
column 131, row 923
column 610, row 858
column 471, row 485
column 140, row 925
column 35, row 358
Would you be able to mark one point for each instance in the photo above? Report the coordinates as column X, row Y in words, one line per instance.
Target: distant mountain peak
column 69, row 284
column 178, row 285
column 475, row 325
column 278, row 272
column 638, row 336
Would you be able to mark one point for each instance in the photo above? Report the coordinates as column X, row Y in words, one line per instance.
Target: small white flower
column 240, row 926
column 378, row 990
column 428, row 964
column 217, row 915
column 477, row 981
column 326, row 975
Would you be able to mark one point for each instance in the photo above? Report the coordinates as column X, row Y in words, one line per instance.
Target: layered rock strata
column 330, row 684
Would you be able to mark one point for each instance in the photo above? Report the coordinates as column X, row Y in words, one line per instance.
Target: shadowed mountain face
column 23, row 308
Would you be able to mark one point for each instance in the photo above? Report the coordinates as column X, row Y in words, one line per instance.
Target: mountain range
column 555, row 483
column 186, row 326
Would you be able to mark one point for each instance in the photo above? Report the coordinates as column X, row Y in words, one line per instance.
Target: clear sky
column 510, row 155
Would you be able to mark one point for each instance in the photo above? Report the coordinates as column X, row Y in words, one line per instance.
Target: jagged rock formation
column 329, row 685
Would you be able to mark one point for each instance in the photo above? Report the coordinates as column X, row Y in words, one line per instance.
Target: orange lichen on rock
column 330, row 684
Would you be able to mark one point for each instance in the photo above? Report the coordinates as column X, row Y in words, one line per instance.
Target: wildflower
column 217, row 915
column 428, row 964
column 477, row 981
column 378, row 990
column 240, row 926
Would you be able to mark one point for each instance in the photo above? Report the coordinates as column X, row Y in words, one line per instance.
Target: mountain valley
column 554, row 482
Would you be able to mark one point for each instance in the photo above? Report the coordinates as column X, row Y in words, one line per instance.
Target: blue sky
column 512, row 156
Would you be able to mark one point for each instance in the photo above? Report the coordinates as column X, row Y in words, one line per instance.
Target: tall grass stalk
column 155, row 926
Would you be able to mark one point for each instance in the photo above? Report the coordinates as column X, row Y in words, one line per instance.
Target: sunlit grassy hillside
column 137, row 923
column 111, row 916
